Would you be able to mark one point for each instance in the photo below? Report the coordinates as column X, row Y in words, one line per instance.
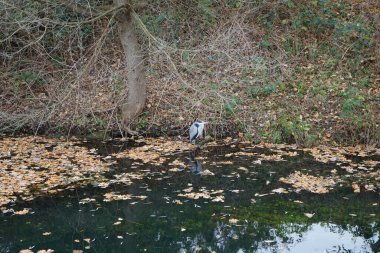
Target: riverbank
column 276, row 72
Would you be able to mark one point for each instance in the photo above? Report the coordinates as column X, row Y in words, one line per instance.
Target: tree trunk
column 136, row 80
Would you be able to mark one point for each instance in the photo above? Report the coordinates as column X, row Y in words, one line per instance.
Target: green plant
column 318, row 88
column 270, row 88
column 301, row 88
column 352, row 102
column 292, row 129
column 27, row 82
column 235, row 3
column 365, row 82
column 230, row 106
column 153, row 23
column 142, row 121
column 208, row 12
column 266, row 90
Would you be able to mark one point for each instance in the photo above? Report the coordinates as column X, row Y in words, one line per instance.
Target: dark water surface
column 251, row 218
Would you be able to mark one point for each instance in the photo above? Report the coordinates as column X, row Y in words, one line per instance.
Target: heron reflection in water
column 196, row 166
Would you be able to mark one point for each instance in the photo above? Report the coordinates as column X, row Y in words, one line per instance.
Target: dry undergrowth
column 230, row 78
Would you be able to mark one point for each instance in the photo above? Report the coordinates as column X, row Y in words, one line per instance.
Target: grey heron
column 196, row 130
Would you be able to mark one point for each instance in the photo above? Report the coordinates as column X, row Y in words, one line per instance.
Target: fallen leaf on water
column 203, row 193
column 356, row 187
column 261, row 195
column 23, row 211
column 309, row 215
column 178, row 202
column 177, row 163
column 142, row 197
column 43, row 165
column 111, row 196
column 190, row 189
column 175, row 169
column 226, row 162
column 219, row 198
column 257, row 161
column 207, row 173
column 103, row 185
column 243, row 169
column 280, row 190
column 274, row 157
column 233, row 221
column 154, row 150
column 314, row 184
column 86, row 200
column 369, row 187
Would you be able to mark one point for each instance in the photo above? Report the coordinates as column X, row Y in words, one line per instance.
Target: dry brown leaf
column 26, row 251
column 233, row 221
column 356, row 187
column 309, row 215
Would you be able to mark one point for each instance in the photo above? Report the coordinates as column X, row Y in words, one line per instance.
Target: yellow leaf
column 233, row 221
column 356, row 187
column 309, row 215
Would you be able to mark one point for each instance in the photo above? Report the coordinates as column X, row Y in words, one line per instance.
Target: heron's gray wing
column 193, row 132
column 200, row 129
